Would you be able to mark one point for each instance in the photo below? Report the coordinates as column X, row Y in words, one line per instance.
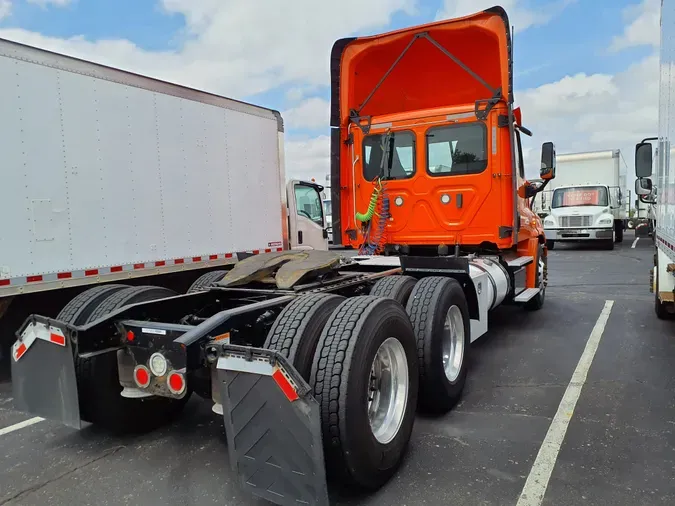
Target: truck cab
column 436, row 169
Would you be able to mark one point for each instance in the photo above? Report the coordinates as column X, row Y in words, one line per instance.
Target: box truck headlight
column 605, row 221
column 548, row 222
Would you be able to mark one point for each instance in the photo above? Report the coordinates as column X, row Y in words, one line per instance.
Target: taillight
column 142, row 376
column 158, row 364
column 176, row 383
column 130, row 335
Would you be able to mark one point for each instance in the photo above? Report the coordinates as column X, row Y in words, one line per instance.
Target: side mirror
column 547, row 170
column 643, row 160
column 643, row 186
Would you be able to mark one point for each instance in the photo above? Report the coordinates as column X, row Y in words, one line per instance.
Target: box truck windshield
column 586, row 196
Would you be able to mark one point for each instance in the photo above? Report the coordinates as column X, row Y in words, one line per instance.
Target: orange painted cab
column 424, row 118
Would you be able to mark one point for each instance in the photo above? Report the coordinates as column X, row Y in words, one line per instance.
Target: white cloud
column 643, row 26
column 312, row 113
column 310, row 158
column 238, row 48
column 5, row 9
column 593, row 112
column 521, row 15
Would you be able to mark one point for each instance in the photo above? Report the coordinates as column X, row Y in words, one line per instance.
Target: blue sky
column 565, row 53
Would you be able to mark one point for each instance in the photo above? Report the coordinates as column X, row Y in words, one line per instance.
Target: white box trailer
column 108, row 175
column 586, row 201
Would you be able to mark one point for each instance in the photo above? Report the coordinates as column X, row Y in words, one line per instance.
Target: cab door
column 307, row 225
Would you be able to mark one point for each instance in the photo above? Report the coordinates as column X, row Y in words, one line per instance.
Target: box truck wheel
column 537, row 302
column 80, row 307
column 440, row 317
column 396, row 287
column 550, row 244
column 206, row 280
column 98, row 380
column 365, row 377
column 296, row 331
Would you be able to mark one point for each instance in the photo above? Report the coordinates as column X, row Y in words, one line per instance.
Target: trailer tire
column 550, row 244
column 98, row 380
column 80, row 307
column 296, row 331
column 359, row 453
column 396, row 287
column 618, row 232
column 434, row 300
column 537, row 302
column 206, row 280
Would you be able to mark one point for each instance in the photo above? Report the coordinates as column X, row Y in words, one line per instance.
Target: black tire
column 537, row 302
column 428, row 305
column 550, row 244
column 80, row 307
column 296, row 331
column 340, row 379
column 608, row 244
column 206, row 280
column 98, row 380
column 398, row 288
column 618, row 232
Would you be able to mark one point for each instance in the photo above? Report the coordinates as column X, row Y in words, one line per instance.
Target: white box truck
column 587, row 199
column 109, row 176
column 655, row 185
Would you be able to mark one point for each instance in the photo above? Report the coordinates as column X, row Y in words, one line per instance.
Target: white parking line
column 20, row 425
column 540, row 474
column 635, row 242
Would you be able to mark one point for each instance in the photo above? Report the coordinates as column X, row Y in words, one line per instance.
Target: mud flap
column 273, row 427
column 43, row 372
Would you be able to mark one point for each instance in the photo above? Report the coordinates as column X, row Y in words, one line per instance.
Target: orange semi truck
column 317, row 362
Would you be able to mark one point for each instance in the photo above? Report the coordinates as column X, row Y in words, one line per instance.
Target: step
column 520, row 261
column 527, row 295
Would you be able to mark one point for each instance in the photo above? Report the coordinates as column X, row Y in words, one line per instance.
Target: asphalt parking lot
column 618, row 449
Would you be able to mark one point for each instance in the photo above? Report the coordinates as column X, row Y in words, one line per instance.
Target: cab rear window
column 457, row 149
column 389, row 156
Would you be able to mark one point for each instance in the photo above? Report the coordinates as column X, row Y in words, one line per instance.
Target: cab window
column 389, row 156
column 308, row 202
column 456, row 149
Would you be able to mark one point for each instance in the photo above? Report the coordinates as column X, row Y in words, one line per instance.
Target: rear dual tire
column 97, row 377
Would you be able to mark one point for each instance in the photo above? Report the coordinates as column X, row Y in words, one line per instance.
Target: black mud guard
column 43, row 371
column 273, row 427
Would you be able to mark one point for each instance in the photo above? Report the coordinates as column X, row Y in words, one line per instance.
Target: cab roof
column 446, row 63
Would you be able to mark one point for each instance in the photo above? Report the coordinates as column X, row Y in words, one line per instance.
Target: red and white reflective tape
column 35, row 331
column 667, row 244
column 116, row 269
column 264, row 368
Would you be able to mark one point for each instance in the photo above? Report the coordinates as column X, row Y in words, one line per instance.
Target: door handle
column 299, row 236
column 325, row 233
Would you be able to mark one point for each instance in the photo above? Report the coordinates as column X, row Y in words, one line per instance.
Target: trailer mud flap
column 273, row 427
column 43, row 373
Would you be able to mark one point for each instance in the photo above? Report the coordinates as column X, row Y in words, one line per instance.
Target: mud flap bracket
column 273, row 427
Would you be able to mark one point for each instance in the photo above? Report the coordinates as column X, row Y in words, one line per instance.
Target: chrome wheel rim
column 453, row 343
column 388, row 390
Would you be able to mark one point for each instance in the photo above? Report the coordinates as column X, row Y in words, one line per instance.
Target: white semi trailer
column 587, row 199
column 109, row 176
column 655, row 185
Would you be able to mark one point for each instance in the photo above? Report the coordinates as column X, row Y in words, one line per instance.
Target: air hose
column 377, row 216
column 367, row 216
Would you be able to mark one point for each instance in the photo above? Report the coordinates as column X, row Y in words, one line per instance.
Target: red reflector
column 91, row 272
column 196, row 259
column 130, row 335
column 228, row 255
column 280, row 249
column 142, row 377
column 4, row 282
column 176, row 383
column 20, row 351
column 55, row 338
column 139, row 266
column 285, row 386
column 213, row 257
column 117, row 268
column 268, row 250
column 256, row 251
column 64, row 275
column 178, row 261
column 33, row 279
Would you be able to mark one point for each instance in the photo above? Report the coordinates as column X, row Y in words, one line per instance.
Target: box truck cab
column 587, row 202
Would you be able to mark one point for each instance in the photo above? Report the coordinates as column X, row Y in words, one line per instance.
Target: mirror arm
column 524, row 130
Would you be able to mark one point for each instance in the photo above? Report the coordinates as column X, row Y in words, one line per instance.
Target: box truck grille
column 576, row 221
